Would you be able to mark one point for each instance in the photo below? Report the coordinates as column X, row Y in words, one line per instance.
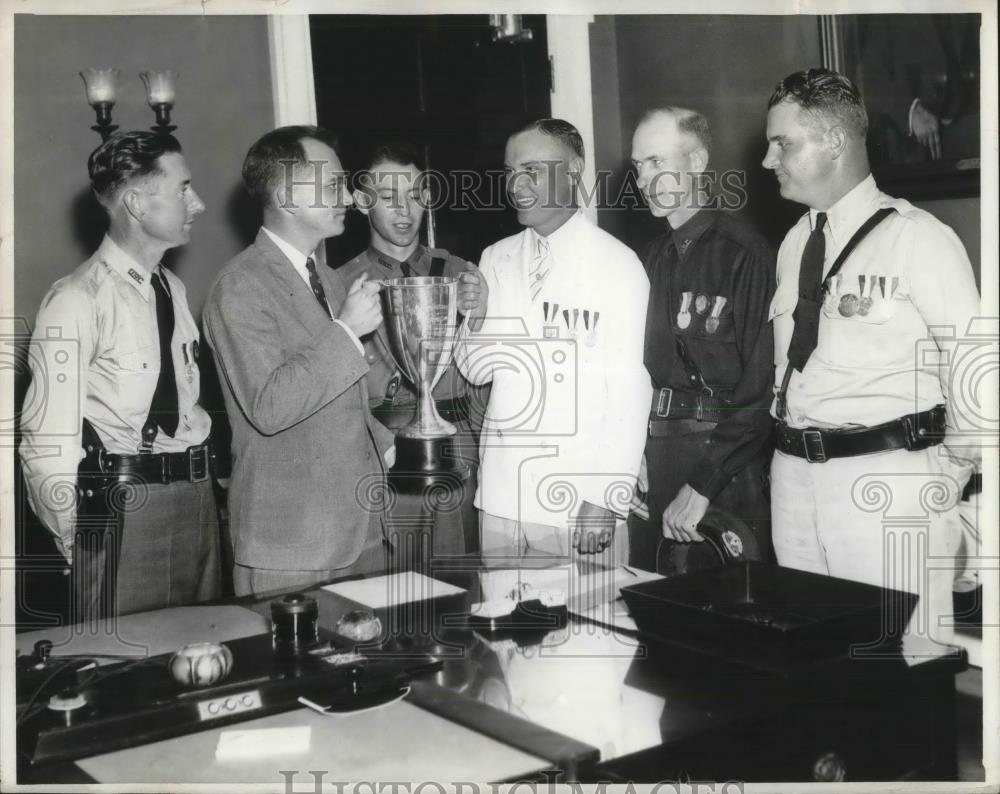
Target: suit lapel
column 302, row 303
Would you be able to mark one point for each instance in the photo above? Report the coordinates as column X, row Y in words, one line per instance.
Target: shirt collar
column 394, row 265
column 561, row 235
column 125, row 266
column 293, row 254
column 688, row 233
column 850, row 211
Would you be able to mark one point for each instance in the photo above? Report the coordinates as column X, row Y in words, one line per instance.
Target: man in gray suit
column 307, row 455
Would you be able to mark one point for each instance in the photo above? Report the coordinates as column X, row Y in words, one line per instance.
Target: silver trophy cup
column 421, row 321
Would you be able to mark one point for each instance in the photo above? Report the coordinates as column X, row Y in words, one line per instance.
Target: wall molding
column 292, row 82
column 572, row 97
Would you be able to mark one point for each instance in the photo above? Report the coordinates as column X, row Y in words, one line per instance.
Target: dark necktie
column 163, row 409
column 806, row 314
column 317, row 285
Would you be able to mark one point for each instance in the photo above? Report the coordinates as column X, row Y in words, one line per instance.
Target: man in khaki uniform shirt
column 394, row 196
column 145, row 528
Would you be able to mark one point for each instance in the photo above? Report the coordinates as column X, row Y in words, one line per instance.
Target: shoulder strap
column 859, row 235
column 437, row 266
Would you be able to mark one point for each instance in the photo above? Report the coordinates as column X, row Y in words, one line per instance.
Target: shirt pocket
column 868, row 298
column 139, row 360
column 705, row 317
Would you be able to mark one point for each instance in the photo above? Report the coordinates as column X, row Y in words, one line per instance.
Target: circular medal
column 712, row 324
column 701, row 304
column 864, row 306
column 848, row 305
column 683, row 319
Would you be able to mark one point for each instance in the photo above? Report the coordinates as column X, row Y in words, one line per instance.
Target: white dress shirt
column 885, row 363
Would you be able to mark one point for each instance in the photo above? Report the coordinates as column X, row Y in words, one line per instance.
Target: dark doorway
column 441, row 83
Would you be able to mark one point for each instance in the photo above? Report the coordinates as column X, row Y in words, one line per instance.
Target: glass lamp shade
column 100, row 85
column 160, row 87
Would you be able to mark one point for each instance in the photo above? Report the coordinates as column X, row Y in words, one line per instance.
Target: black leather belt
column 192, row 465
column 912, row 432
column 670, row 405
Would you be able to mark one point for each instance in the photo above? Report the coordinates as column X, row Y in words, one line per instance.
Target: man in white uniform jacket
column 561, row 340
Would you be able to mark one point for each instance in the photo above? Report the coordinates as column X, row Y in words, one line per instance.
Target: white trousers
column 888, row 519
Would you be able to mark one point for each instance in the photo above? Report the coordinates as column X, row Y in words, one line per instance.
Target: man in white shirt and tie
column 561, row 341
column 873, row 317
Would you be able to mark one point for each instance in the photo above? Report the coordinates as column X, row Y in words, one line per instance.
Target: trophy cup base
column 427, row 463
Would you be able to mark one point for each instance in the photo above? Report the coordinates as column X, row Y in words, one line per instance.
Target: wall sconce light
column 100, row 84
column 160, row 93
column 509, row 28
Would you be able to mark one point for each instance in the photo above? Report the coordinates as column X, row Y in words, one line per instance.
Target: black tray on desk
column 767, row 616
column 139, row 702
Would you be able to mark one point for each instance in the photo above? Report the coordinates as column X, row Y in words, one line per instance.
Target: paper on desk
column 393, row 589
column 597, row 591
column 590, row 589
column 146, row 634
column 253, row 743
column 515, row 583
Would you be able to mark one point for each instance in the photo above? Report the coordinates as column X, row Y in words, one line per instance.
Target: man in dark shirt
column 708, row 349
column 393, row 194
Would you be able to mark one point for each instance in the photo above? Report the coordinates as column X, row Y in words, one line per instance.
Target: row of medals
column 861, row 303
column 701, row 306
column 572, row 319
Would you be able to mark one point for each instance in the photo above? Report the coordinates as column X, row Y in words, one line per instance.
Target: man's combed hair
column 557, row 128
column 396, row 151
column 827, row 96
column 689, row 122
column 265, row 165
column 126, row 156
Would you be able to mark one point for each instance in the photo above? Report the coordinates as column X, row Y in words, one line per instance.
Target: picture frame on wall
column 920, row 76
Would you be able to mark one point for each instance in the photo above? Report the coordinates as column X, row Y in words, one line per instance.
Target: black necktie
column 810, row 297
column 163, row 410
column 317, row 285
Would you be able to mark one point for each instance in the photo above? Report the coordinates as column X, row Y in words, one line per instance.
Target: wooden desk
column 503, row 710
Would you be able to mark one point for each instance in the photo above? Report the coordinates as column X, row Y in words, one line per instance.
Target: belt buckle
column 812, row 442
column 198, row 463
column 921, row 431
column 662, row 413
